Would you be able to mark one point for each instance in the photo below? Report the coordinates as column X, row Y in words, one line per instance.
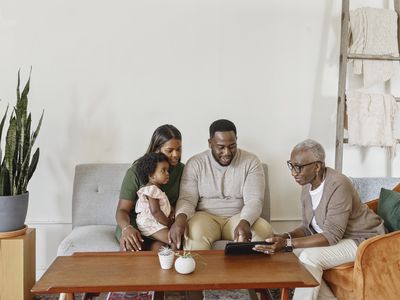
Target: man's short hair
column 314, row 147
column 222, row 125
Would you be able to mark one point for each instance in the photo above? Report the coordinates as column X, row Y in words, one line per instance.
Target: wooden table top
column 140, row 271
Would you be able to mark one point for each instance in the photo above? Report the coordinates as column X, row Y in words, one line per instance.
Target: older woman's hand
column 278, row 244
column 131, row 239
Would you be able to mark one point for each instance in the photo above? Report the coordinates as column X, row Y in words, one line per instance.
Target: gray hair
column 314, row 147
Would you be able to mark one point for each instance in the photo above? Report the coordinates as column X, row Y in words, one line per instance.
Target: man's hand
column 171, row 217
column 242, row 232
column 131, row 239
column 177, row 230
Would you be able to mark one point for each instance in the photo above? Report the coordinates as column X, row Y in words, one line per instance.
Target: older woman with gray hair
column 334, row 221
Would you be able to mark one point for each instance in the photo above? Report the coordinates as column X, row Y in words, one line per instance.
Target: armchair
column 375, row 274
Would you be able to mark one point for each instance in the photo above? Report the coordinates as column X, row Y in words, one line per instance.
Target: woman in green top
column 168, row 140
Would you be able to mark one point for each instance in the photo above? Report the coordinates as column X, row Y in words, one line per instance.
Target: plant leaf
column 32, row 167
column 35, row 134
column 27, row 86
column 4, row 181
column 10, row 151
column 2, row 123
column 18, row 83
column 25, row 155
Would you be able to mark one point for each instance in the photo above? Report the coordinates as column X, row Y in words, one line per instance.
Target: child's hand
column 157, row 213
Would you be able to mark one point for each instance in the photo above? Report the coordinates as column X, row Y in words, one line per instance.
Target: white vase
column 185, row 265
column 166, row 260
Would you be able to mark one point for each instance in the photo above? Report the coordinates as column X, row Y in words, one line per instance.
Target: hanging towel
column 373, row 31
column 370, row 119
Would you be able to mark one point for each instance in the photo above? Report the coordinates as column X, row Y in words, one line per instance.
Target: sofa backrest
column 96, row 193
column 266, row 211
column 368, row 188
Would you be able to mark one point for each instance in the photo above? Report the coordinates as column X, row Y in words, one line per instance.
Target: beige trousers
column 318, row 259
column 204, row 229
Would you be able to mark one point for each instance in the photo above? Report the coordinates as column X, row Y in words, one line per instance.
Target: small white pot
column 185, row 265
column 166, row 260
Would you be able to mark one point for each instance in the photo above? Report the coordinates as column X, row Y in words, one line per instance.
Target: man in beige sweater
column 221, row 194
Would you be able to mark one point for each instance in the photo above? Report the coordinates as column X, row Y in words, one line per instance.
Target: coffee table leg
column 70, row 296
column 284, row 293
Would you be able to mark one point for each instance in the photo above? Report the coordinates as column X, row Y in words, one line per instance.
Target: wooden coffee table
column 140, row 271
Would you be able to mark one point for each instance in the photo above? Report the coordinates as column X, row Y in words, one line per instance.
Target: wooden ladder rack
column 344, row 56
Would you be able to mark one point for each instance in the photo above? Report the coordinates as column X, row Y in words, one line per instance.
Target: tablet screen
column 243, row 247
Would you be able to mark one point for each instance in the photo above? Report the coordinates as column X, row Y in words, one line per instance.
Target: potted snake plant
column 17, row 164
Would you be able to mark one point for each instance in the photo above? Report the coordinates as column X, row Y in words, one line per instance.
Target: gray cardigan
column 340, row 214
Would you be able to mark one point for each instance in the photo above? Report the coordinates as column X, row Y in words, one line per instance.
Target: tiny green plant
column 185, row 254
column 188, row 254
column 165, row 251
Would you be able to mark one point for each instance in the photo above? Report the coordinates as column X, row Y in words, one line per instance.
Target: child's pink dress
column 145, row 221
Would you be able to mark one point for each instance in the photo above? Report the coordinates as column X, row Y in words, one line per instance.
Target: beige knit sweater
column 223, row 191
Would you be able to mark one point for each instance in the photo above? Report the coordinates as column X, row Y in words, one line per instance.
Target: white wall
column 107, row 73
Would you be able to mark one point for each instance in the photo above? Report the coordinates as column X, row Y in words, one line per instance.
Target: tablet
column 243, row 247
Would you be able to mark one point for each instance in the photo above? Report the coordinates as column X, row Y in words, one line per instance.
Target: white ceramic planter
column 166, row 260
column 185, row 265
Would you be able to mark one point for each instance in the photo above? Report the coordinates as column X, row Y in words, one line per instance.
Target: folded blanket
column 371, row 118
column 373, row 31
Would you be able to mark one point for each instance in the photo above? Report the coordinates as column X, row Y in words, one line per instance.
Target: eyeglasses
column 299, row 168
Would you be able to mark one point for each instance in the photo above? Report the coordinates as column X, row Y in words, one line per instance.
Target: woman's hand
column 278, row 244
column 131, row 239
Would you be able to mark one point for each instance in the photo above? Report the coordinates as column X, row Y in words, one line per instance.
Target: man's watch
column 289, row 246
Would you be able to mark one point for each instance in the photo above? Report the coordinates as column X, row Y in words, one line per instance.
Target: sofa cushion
column 389, row 209
column 91, row 238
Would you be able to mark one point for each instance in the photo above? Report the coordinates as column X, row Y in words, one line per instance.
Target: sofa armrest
column 373, row 205
column 345, row 266
column 377, row 268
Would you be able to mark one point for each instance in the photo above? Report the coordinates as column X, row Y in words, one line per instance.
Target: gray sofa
column 94, row 202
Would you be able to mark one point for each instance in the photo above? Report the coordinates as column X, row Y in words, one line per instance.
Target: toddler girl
column 155, row 214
